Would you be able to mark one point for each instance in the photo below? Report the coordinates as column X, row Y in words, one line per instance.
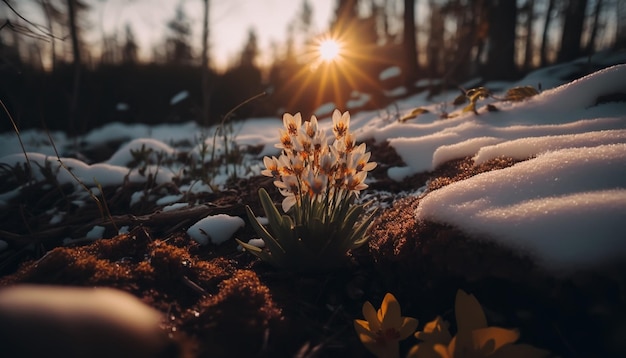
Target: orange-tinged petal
column 444, row 351
column 408, row 327
column 490, row 339
column 369, row 312
column 520, row 351
column 423, row 350
column 389, row 313
column 435, row 332
column 469, row 313
column 363, row 328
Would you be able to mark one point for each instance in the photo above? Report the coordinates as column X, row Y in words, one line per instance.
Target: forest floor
column 221, row 301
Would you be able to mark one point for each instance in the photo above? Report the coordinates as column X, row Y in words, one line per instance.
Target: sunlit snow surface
column 566, row 204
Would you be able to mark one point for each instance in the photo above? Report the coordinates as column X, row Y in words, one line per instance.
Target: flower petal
column 362, row 327
column 469, row 313
column 435, row 331
column 369, row 312
column 444, row 351
column 389, row 313
column 520, row 351
column 490, row 339
column 408, row 327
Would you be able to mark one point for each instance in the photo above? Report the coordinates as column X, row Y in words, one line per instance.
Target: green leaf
column 269, row 240
column 258, row 252
column 273, row 216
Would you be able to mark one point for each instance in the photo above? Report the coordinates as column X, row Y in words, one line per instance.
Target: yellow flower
column 382, row 330
column 474, row 338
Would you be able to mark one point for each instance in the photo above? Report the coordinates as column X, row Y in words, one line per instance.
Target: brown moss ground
column 221, row 302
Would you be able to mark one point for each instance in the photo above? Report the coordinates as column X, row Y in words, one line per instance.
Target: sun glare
column 329, row 50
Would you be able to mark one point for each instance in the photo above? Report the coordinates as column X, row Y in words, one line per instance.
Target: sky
column 230, row 21
column 564, row 204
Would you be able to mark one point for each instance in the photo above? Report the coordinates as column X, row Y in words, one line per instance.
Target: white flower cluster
column 309, row 169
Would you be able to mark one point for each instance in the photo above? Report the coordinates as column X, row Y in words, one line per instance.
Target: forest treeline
column 51, row 76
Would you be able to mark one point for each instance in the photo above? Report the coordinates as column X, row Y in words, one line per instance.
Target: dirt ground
column 221, row 302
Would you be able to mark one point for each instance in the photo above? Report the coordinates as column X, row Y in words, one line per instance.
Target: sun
column 329, row 50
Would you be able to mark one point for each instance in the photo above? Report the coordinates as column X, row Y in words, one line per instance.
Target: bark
column 409, row 43
column 76, row 61
column 572, row 30
column 502, row 17
column 591, row 44
column 544, row 37
column 528, row 49
column 206, row 92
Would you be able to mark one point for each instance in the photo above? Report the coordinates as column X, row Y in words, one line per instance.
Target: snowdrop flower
column 341, row 123
column 310, row 127
column 360, row 162
column 316, row 184
column 319, row 183
column 292, row 123
column 286, row 141
column 355, row 182
column 272, row 166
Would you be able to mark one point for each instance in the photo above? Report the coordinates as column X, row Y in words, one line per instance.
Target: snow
column 215, row 229
column 144, row 148
column 96, row 232
column 175, row 206
column 179, row 97
column 564, row 203
column 567, row 207
column 390, row 72
column 325, row 109
column 396, row 92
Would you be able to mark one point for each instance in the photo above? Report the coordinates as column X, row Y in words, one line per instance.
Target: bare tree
column 129, row 49
column 572, row 30
column 435, row 45
column 409, row 43
column 529, row 9
column 543, row 53
column 52, row 14
column 502, row 17
column 72, row 7
column 591, row 43
column 204, row 66
column 620, row 29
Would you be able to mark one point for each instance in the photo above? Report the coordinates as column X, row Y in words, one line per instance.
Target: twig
column 38, row 27
column 19, row 138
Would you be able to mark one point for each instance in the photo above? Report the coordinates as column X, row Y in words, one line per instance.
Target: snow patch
column 215, row 229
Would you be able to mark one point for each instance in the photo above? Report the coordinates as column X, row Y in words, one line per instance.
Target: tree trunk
column 45, row 4
column 76, row 61
column 591, row 44
column 206, row 92
column 409, row 44
column 435, row 46
column 620, row 29
column 572, row 30
column 502, row 17
column 544, row 37
column 528, row 49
